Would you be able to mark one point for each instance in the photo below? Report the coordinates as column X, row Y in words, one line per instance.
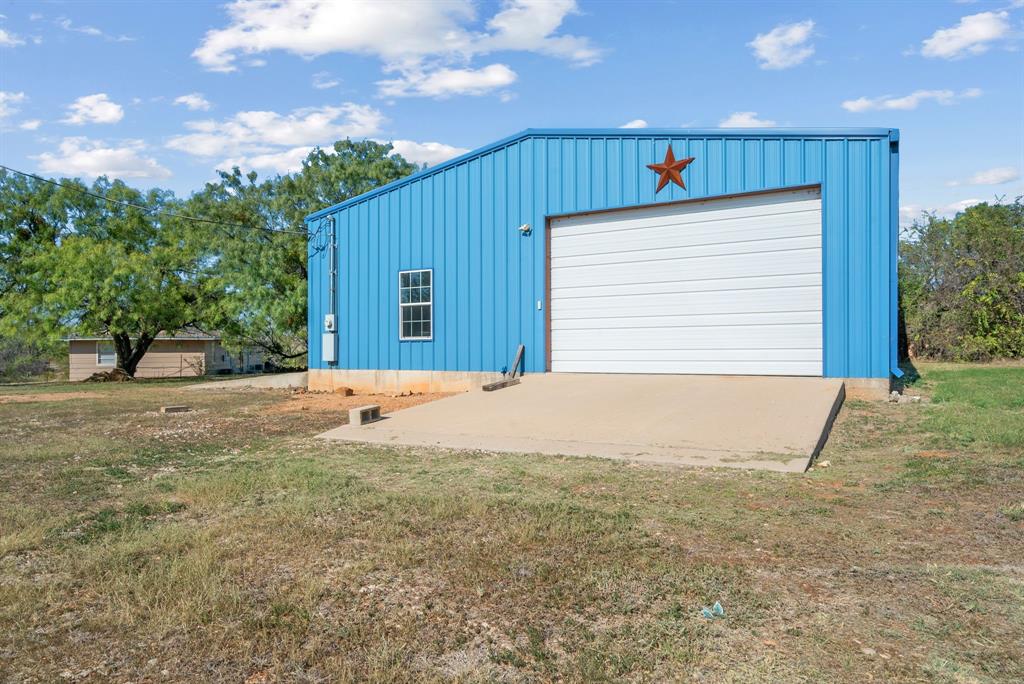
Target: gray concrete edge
column 275, row 381
column 379, row 434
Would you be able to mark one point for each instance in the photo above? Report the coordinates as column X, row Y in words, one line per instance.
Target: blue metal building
column 778, row 257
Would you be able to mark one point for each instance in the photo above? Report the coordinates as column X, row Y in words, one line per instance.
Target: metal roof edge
column 608, row 132
column 455, row 161
column 713, row 132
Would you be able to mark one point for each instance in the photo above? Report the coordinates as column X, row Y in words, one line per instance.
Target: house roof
column 185, row 334
column 892, row 134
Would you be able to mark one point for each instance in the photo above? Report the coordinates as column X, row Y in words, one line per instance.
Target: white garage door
column 729, row 286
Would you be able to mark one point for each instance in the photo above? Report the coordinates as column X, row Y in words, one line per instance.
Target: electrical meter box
column 330, row 323
column 329, row 345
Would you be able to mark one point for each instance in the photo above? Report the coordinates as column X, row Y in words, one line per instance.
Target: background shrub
column 962, row 284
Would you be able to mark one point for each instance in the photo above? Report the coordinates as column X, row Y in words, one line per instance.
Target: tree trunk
column 128, row 357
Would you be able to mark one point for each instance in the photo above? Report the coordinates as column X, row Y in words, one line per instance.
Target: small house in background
column 188, row 353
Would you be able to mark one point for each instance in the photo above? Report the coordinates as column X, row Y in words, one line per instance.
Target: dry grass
column 227, row 545
column 42, row 398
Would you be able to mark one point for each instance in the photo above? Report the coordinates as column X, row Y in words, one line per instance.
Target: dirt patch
column 322, row 403
column 38, row 398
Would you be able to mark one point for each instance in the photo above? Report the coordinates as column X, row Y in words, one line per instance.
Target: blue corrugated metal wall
column 461, row 219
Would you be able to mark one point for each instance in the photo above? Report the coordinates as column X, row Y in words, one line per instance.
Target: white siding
column 728, row 286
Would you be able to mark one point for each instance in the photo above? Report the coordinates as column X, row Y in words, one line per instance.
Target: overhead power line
column 155, row 210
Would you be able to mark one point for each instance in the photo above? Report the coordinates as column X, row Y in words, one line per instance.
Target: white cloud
column 429, row 153
column 10, row 103
column 194, row 101
column 911, row 101
column 635, row 123
column 994, row 176
column 971, row 36
column 8, row 39
column 956, row 207
column 290, row 160
column 96, row 108
column 286, row 161
column 784, row 46
column 530, row 25
column 81, row 156
column 745, row 120
column 912, row 212
column 30, row 124
column 444, row 83
column 247, row 135
column 909, row 213
column 322, row 80
column 67, row 25
column 411, row 38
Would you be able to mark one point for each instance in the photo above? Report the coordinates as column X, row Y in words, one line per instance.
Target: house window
column 105, row 354
column 415, row 305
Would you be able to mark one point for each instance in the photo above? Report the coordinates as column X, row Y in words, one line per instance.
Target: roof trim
column 617, row 133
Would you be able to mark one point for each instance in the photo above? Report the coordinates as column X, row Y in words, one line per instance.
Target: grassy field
column 226, row 544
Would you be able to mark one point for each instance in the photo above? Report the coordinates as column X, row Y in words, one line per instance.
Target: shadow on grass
column 911, row 376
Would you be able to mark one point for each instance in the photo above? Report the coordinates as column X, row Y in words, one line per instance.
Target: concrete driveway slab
column 766, row 423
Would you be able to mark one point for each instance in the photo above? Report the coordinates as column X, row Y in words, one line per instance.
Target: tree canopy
column 260, row 275
column 74, row 263
column 962, row 284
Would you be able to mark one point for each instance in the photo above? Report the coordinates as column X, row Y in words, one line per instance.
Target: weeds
column 226, row 544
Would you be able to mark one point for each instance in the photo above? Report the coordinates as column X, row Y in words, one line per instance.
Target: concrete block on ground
column 364, row 414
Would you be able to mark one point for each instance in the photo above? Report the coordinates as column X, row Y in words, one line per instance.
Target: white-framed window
column 106, row 355
column 416, row 305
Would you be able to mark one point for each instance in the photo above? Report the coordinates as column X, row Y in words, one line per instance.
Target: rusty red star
column 669, row 170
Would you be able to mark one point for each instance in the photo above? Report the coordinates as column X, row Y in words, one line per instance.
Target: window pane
column 105, row 354
column 415, row 296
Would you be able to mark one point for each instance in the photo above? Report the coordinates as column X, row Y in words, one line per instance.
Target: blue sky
column 165, row 93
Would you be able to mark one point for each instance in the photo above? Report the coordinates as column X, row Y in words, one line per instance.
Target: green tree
column 962, row 283
column 260, row 277
column 74, row 264
column 20, row 360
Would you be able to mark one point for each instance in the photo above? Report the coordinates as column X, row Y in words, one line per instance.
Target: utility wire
column 155, row 210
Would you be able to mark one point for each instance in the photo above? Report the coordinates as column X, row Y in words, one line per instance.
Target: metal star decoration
column 669, row 170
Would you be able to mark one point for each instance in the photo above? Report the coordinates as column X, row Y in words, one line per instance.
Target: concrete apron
column 763, row 423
